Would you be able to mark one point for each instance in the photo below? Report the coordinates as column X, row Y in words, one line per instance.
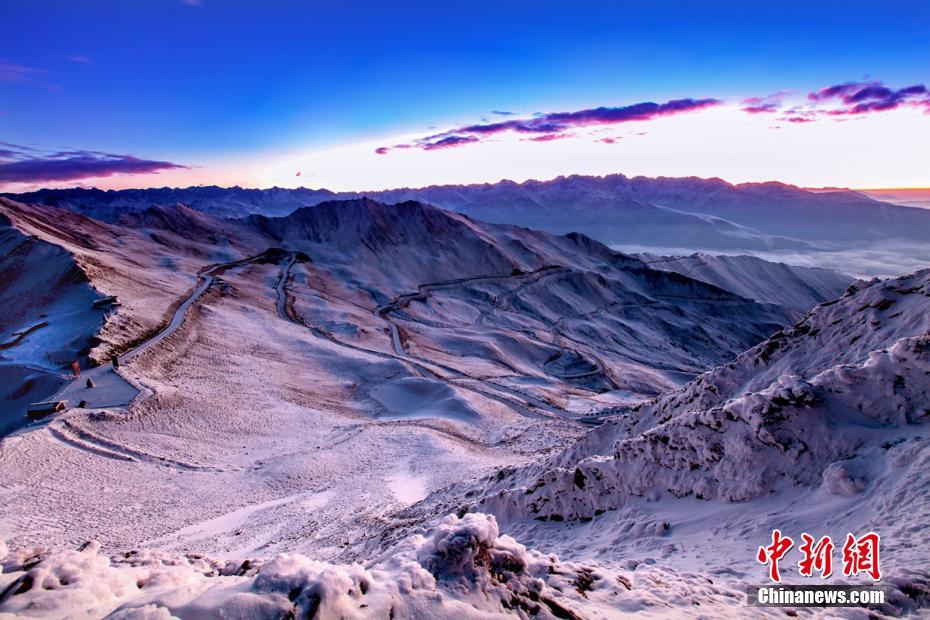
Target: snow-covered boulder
column 462, row 568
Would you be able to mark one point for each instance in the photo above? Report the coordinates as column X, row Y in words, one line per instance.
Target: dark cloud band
column 25, row 165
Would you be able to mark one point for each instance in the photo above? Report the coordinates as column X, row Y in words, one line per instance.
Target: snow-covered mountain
column 761, row 215
column 220, row 201
column 362, row 408
column 514, row 300
column 179, row 220
column 534, row 311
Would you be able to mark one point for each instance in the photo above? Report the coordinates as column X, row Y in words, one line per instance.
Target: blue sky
column 237, row 83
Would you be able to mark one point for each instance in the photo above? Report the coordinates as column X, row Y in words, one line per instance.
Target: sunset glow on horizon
column 112, row 105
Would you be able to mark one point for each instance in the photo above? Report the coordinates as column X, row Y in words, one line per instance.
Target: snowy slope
column 802, row 408
column 55, row 263
column 503, row 300
column 147, row 261
column 799, row 288
column 48, row 319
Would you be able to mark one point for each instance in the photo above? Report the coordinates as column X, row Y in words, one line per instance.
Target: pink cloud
column 764, row 105
column 866, row 97
column 549, row 137
column 842, row 100
column 762, row 108
column 450, row 142
column 557, row 123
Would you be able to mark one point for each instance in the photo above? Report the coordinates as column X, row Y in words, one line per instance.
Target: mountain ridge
column 637, row 213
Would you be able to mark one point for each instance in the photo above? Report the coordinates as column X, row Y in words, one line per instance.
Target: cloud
column 852, row 98
column 79, row 58
column 449, row 142
column 841, row 100
column 555, row 123
column 13, row 72
column 762, row 108
column 549, row 137
column 609, row 140
column 503, row 113
column 19, row 164
column 832, row 91
column 764, row 105
column 192, row 2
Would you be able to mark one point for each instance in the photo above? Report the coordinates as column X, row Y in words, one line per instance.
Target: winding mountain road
column 520, row 402
column 111, row 390
column 534, row 276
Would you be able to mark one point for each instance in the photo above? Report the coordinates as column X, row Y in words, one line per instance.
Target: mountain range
column 685, row 214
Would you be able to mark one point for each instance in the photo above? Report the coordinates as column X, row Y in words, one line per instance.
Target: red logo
column 774, row 552
column 860, row 555
column 819, row 556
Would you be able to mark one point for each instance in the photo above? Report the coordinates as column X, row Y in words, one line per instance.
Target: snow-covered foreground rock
column 461, row 568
